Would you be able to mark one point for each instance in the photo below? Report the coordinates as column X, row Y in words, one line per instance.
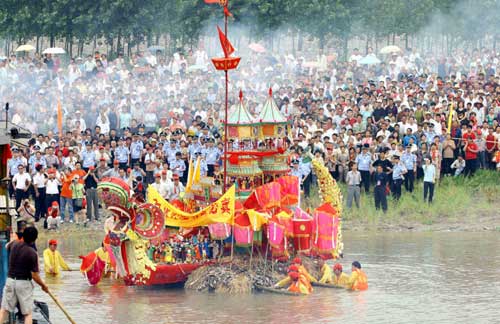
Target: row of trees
column 123, row 24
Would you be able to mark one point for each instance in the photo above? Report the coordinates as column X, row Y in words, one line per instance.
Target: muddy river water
column 435, row 277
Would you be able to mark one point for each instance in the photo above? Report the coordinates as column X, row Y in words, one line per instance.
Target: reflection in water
column 413, row 277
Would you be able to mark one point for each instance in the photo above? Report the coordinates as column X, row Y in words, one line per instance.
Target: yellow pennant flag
column 450, row 118
column 221, row 211
column 257, row 219
column 197, row 171
column 190, row 177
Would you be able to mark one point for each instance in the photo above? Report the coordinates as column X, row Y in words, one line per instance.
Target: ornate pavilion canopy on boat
column 272, row 122
column 240, row 122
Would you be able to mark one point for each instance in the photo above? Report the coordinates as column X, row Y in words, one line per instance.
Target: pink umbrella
column 257, row 48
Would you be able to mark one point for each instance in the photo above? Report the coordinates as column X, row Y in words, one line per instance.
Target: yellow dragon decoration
column 330, row 193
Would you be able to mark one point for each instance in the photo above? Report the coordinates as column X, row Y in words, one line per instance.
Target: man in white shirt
column 21, row 182
column 353, row 182
column 78, row 118
column 166, row 176
column 161, row 187
column 384, row 131
column 175, row 189
column 39, row 181
column 52, row 187
column 355, row 56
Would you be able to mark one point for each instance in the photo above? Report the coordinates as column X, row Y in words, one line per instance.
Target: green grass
column 456, row 200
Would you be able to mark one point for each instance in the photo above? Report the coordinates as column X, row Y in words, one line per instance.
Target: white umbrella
column 196, row 67
column 257, row 48
column 369, row 60
column 25, row 48
column 390, row 49
column 54, row 50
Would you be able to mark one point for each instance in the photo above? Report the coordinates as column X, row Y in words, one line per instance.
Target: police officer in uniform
column 364, row 161
column 171, row 152
column 410, row 162
column 122, row 154
column 212, row 157
column 398, row 172
column 136, row 149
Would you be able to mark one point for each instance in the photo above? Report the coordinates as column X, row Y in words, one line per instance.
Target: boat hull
column 167, row 274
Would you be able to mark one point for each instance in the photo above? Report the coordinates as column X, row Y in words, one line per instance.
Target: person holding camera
column 91, row 181
column 26, row 212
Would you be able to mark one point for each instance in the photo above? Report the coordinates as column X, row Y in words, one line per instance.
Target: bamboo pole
column 58, row 303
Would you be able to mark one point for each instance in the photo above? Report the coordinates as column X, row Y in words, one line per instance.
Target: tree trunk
column 346, row 47
column 6, row 48
column 111, row 48
column 406, row 40
column 321, row 42
column 166, row 38
column 119, row 42
column 300, row 42
column 38, row 44
column 149, row 37
column 52, row 41
column 129, row 46
column 71, row 47
column 81, row 43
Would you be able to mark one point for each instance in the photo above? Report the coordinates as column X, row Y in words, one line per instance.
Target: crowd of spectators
column 378, row 127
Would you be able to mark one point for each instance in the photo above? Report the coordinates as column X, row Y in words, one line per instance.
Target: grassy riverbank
column 460, row 204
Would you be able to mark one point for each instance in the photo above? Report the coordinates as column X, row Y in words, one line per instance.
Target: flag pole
column 225, row 116
column 226, row 134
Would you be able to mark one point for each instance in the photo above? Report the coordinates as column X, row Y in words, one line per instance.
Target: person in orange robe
column 302, row 270
column 358, row 279
column 296, row 280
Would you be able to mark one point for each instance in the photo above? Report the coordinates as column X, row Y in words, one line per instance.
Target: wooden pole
column 251, row 256
column 58, row 303
column 265, row 259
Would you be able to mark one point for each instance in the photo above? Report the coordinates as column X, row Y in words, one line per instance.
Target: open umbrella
column 156, row 48
column 257, row 48
column 196, row 67
column 390, row 49
column 369, row 60
column 54, row 50
column 25, row 48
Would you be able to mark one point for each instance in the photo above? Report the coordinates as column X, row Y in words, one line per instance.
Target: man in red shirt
column 490, row 148
column 468, row 134
column 471, row 149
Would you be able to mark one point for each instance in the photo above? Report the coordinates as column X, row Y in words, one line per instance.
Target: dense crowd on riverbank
column 146, row 118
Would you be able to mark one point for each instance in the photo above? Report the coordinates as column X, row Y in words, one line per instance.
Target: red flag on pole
column 224, row 42
column 227, row 12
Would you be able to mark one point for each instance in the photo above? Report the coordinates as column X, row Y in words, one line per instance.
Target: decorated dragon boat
column 255, row 201
column 261, row 208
